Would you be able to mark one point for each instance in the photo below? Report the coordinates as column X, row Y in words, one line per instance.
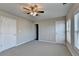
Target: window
column 76, row 30
column 68, row 30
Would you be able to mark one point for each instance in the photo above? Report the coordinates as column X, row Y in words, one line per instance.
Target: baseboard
column 53, row 42
column 24, row 42
column 7, row 49
column 16, row 45
column 72, row 49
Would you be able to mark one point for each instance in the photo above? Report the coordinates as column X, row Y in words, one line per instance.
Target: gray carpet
column 37, row 48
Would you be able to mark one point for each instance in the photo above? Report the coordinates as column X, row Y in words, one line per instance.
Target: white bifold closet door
column 7, row 33
column 60, row 31
column 52, row 31
column 44, row 34
column 47, row 31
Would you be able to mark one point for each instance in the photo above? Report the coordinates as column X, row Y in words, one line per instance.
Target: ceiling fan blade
column 28, row 13
column 26, row 8
column 40, row 11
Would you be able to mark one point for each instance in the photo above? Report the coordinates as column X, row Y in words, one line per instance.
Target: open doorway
column 37, row 30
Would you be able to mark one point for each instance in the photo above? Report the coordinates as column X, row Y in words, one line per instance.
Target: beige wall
column 25, row 31
column 70, row 16
column 25, row 28
column 73, row 10
column 47, row 29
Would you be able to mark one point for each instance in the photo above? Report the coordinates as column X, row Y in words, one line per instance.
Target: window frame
column 68, row 30
column 76, row 31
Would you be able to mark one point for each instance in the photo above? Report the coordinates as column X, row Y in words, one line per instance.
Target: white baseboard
column 7, row 49
column 24, row 42
column 72, row 49
column 16, row 45
column 52, row 42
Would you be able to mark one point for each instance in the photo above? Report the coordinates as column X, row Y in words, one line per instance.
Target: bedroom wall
column 47, row 29
column 25, row 31
column 25, row 28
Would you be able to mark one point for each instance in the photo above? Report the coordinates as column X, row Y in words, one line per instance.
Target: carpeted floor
column 37, row 48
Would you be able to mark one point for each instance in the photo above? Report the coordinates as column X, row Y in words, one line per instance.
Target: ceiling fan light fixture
column 32, row 9
column 34, row 14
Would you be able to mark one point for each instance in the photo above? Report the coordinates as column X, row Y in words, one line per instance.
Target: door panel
column 52, row 31
column 1, row 43
column 60, row 31
column 44, row 29
column 47, row 31
column 8, row 41
column 1, row 47
column 8, row 32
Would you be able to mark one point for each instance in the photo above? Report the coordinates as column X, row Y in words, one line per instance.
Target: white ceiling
column 52, row 10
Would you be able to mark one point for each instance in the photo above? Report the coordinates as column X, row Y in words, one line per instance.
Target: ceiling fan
column 32, row 9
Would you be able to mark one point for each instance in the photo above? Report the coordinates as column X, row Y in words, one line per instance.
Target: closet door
column 8, row 29
column 60, row 31
column 1, row 41
column 44, row 31
column 1, row 46
column 52, row 31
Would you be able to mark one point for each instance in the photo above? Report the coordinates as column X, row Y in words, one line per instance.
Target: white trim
column 7, row 49
column 52, row 42
column 71, row 49
column 24, row 42
column 16, row 46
